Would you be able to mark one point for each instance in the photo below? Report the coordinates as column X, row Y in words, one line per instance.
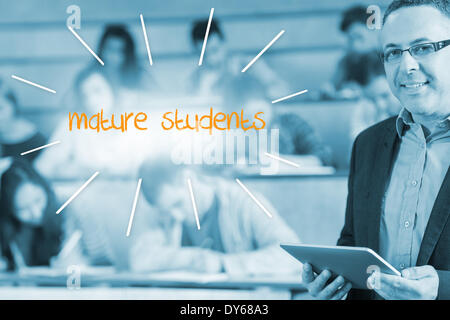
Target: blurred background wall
column 37, row 45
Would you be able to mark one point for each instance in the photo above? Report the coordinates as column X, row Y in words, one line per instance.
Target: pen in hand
column 69, row 245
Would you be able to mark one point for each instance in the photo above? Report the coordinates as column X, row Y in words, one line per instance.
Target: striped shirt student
column 93, row 247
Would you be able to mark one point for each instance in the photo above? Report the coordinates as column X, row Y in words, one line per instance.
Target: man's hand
column 318, row 288
column 418, row 283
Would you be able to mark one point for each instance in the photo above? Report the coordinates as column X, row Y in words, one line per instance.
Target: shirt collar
column 405, row 119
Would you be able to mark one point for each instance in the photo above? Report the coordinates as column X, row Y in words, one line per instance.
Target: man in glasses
column 399, row 184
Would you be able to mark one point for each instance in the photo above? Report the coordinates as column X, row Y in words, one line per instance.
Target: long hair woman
column 30, row 230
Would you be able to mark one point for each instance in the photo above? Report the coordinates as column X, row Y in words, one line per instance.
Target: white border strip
column 263, row 50
column 77, row 193
column 146, row 40
column 200, row 62
column 39, row 148
column 282, row 160
column 193, row 203
column 32, row 83
column 130, row 222
column 290, row 96
column 86, row 46
column 254, row 199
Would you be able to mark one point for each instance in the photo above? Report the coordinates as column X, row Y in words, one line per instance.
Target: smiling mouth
column 414, row 85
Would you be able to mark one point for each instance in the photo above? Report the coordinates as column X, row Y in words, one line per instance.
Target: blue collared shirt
column 417, row 175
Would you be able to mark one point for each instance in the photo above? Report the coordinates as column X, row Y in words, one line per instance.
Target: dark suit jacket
column 374, row 152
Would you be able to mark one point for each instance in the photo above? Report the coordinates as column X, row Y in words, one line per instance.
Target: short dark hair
column 159, row 170
column 356, row 14
column 49, row 233
column 120, row 31
column 199, row 30
column 11, row 97
column 441, row 5
column 154, row 174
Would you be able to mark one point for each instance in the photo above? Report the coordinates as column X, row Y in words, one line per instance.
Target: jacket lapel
column 436, row 223
column 383, row 161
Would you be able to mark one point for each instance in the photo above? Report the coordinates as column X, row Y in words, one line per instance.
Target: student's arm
column 266, row 234
column 153, row 252
column 74, row 256
column 52, row 161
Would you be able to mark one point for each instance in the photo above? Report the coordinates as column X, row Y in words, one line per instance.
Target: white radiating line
column 290, row 96
column 200, row 62
column 146, row 40
column 86, row 46
column 33, row 84
column 193, row 203
column 253, row 197
column 282, row 160
column 263, row 50
column 77, row 193
column 39, row 148
column 130, row 222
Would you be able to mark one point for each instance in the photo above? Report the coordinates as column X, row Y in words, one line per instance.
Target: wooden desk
column 102, row 293
column 148, row 286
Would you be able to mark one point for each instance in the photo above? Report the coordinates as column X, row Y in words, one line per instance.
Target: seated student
column 85, row 151
column 235, row 235
column 17, row 135
column 30, row 231
column 298, row 137
column 360, row 40
column 122, row 69
column 377, row 103
column 221, row 71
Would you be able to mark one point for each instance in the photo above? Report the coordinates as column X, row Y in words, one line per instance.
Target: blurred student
column 17, row 134
column 30, row 231
column 296, row 136
column 360, row 40
column 86, row 150
column 122, row 69
column 235, row 235
column 377, row 103
column 221, row 73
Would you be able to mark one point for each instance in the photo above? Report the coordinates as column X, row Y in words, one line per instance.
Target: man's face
column 422, row 85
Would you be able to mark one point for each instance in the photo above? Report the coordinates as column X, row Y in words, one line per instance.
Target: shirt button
column 406, row 224
column 414, row 183
column 402, row 266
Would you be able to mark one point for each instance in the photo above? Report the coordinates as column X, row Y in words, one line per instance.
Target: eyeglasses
column 418, row 51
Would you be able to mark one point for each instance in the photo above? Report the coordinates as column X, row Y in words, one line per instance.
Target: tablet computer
column 355, row 264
